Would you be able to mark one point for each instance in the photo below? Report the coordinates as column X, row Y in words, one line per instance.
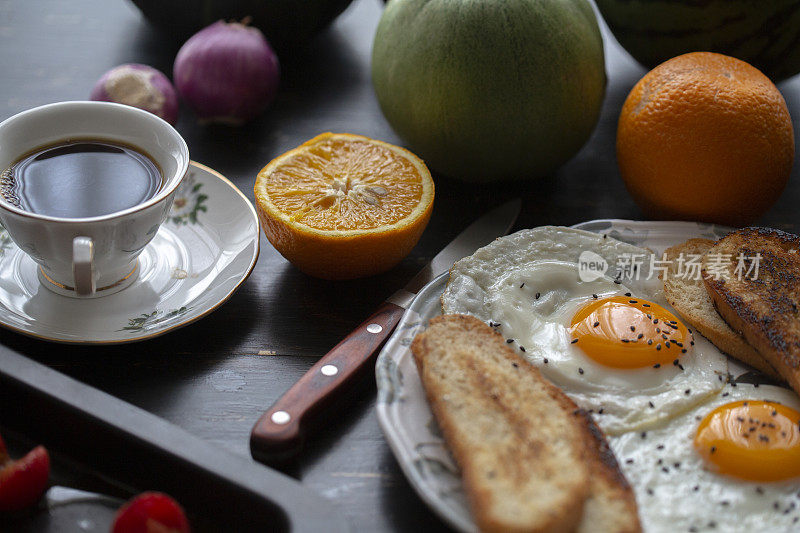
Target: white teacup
column 97, row 256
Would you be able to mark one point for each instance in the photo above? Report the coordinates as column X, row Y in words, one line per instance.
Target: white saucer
column 203, row 252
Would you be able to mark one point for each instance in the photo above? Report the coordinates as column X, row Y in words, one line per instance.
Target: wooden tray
column 144, row 452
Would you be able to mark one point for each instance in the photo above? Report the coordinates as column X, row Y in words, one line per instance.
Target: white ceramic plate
column 403, row 411
column 203, row 252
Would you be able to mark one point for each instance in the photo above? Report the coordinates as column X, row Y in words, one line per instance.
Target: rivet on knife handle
column 279, row 433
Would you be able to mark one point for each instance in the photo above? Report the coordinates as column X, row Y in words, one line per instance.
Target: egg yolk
column 753, row 440
column 626, row 332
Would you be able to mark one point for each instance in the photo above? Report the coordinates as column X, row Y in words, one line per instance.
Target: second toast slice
column 762, row 305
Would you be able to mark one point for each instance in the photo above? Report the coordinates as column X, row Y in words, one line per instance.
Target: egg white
column 527, row 286
column 675, row 492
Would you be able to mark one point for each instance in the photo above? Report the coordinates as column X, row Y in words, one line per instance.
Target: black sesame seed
column 595, row 324
column 537, row 296
column 665, row 469
column 625, row 340
column 725, row 503
column 657, row 365
column 676, row 465
column 774, row 413
column 759, row 490
column 650, row 404
column 660, row 462
column 650, row 492
column 724, row 394
column 649, row 341
column 655, row 321
column 522, row 349
column 644, row 434
column 600, row 411
column 663, row 336
column 713, row 449
column 573, row 341
column 640, row 335
column 658, row 346
column 696, row 488
column 687, row 392
column 660, row 447
column 633, row 328
column 680, row 366
column 628, row 461
column 523, row 284
column 580, row 371
column 515, row 365
column 675, row 362
column 645, row 305
column 683, row 350
column 545, row 360
column 628, row 294
column 594, row 296
column 633, row 301
column 509, row 341
column 691, row 342
column 617, row 281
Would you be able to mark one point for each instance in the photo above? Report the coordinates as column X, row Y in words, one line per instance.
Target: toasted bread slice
column 762, row 307
column 688, row 295
column 526, row 452
column 611, row 505
column 520, row 450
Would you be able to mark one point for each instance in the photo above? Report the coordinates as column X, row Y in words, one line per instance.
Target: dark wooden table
column 215, row 377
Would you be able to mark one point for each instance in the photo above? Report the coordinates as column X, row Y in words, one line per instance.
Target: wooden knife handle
column 280, row 431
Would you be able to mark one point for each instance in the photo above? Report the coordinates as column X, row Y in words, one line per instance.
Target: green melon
column 766, row 34
column 485, row 90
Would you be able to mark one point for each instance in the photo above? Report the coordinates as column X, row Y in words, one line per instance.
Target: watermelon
column 285, row 23
column 765, row 34
column 487, row 90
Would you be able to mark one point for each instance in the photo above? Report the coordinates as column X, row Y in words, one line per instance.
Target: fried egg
column 611, row 344
column 732, row 464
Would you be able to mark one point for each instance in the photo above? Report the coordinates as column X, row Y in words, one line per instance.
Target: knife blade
column 279, row 433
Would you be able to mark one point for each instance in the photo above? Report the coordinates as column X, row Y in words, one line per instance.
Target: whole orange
column 705, row 137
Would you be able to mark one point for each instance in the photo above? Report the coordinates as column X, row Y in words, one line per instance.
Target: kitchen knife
column 280, row 432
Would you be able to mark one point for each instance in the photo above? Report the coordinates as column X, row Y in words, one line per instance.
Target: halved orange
column 344, row 206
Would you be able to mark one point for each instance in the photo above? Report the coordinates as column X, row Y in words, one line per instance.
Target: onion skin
column 139, row 86
column 227, row 73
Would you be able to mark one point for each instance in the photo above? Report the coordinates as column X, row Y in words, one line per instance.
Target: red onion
column 139, row 86
column 227, row 73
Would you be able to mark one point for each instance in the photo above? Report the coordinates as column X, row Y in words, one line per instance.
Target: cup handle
column 83, row 265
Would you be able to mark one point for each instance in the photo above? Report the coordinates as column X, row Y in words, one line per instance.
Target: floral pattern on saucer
column 147, row 321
